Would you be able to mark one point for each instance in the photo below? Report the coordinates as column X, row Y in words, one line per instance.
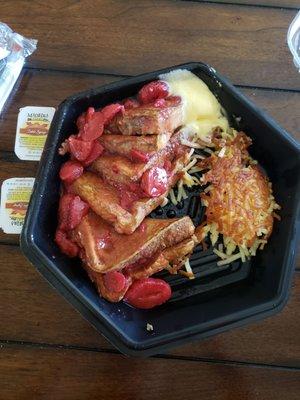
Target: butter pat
column 202, row 111
column 32, row 129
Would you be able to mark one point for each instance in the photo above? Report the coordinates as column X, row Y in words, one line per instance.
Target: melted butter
column 202, row 111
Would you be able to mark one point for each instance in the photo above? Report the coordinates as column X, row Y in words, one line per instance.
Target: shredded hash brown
column 239, row 201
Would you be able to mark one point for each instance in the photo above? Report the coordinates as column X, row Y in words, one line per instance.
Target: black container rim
column 77, row 299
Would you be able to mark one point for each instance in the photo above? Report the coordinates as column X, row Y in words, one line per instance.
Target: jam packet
column 15, row 196
column 32, row 129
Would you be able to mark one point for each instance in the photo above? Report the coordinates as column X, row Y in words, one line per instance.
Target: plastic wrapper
column 14, row 48
column 293, row 39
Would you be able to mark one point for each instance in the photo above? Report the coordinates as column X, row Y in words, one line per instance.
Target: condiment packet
column 14, row 48
column 15, row 196
column 32, row 129
column 293, row 39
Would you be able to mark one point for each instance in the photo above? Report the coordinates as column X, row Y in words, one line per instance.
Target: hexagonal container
column 219, row 298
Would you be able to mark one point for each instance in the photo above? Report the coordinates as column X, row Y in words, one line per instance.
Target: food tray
column 219, row 298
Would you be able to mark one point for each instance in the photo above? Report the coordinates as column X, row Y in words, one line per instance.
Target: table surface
column 48, row 351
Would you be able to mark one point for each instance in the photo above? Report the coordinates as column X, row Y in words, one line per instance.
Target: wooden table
column 48, row 351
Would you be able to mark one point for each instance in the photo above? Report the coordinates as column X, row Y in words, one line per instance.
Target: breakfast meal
column 131, row 157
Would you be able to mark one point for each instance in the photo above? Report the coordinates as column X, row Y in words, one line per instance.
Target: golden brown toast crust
column 148, row 120
column 171, row 255
column 106, row 250
column 123, row 145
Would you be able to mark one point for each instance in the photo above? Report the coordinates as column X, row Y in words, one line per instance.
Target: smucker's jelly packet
column 15, row 196
column 32, row 129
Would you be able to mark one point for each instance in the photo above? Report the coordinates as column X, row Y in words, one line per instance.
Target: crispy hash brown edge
column 235, row 178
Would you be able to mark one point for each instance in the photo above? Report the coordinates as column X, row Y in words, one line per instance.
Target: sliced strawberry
column 93, row 128
column 63, row 211
column 84, row 118
column 78, row 209
column 96, row 152
column 153, row 91
column 148, row 293
column 64, row 148
column 173, row 100
column 66, row 246
column 70, row 171
column 114, row 281
column 130, row 103
column 139, row 156
column 89, row 114
column 154, row 181
column 159, row 103
column 71, row 211
column 80, row 121
column 80, row 149
column 110, row 111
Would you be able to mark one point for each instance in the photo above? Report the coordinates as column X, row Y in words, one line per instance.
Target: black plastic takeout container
column 219, row 298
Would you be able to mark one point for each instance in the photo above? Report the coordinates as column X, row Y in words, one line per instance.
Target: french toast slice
column 105, row 250
column 126, row 145
column 149, row 119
